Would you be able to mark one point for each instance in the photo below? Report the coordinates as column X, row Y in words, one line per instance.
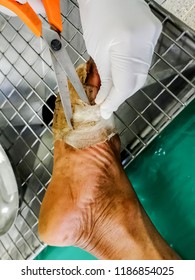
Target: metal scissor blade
column 63, row 59
column 63, row 90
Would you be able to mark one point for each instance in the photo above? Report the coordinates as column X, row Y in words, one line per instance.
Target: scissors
column 63, row 67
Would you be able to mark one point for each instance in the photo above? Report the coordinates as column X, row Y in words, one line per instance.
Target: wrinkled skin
column 83, row 194
column 91, row 204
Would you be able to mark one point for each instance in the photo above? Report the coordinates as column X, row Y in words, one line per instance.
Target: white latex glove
column 120, row 36
column 35, row 4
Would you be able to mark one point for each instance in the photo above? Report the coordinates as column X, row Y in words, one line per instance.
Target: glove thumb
column 104, row 70
column 116, row 97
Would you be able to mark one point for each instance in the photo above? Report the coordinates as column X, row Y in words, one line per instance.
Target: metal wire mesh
column 27, row 81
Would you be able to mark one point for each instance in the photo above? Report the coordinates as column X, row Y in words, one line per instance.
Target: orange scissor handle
column 52, row 8
column 26, row 14
column 30, row 18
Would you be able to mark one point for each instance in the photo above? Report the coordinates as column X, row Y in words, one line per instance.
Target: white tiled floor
column 183, row 9
column 189, row 18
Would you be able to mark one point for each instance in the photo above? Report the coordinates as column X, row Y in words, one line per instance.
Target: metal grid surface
column 27, row 81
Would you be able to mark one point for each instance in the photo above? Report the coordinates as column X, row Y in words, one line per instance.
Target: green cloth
column 163, row 176
column 64, row 253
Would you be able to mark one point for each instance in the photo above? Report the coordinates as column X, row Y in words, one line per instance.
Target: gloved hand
column 35, row 4
column 120, row 36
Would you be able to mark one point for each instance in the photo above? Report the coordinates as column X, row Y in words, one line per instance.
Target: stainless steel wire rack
column 27, row 81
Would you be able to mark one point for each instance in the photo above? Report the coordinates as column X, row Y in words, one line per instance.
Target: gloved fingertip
column 105, row 114
column 98, row 100
column 102, row 94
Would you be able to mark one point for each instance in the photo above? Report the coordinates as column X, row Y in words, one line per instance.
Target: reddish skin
column 91, row 204
column 93, row 77
column 93, row 82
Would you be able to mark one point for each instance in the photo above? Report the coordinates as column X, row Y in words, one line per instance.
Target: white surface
column 110, row 269
column 6, row 174
column 9, row 199
column 2, row 158
column 182, row 9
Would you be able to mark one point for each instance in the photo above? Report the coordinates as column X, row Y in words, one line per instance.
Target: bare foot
column 90, row 202
column 84, row 193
